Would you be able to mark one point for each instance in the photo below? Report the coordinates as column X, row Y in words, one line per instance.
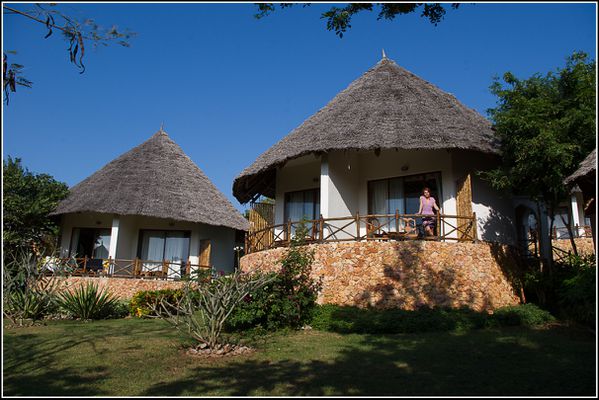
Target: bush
column 87, row 302
column 522, row 315
column 346, row 319
column 144, row 302
column 28, row 294
column 576, row 294
column 289, row 298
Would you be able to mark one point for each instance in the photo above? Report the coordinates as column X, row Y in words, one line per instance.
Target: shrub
column 521, row 315
column 144, row 302
column 87, row 302
column 289, row 298
column 28, row 294
column 346, row 319
column 576, row 294
column 203, row 308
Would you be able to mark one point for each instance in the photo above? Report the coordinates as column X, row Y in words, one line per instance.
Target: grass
column 130, row 357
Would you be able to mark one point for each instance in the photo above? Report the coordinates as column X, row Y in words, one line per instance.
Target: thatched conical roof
column 154, row 179
column 387, row 107
column 586, row 167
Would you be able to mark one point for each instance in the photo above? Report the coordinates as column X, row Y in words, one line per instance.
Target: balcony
column 377, row 227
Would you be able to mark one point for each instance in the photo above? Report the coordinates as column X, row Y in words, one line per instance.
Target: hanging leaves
column 74, row 32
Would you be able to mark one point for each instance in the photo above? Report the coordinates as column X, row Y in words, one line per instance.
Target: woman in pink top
column 427, row 204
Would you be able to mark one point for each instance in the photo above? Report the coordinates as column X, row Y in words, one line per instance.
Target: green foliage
column 203, row 309
column 144, row 302
column 345, row 319
column 28, row 294
column 577, row 293
column 522, row 315
column 289, row 299
column 339, row 19
column 88, row 302
column 27, row 201
column 546, row 124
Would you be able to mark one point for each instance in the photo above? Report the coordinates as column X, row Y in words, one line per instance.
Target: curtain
column 176, row 250
column 396, row 200
column 152, row 249
column 73, row 251
column 102, row 244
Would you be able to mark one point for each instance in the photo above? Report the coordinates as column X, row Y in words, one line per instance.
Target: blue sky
column 228, row 86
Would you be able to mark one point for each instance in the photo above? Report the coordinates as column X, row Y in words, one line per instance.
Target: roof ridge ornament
column 162, row 127
column 384, row 55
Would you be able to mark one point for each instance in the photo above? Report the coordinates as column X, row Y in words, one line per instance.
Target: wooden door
column 464, row 208
column 205, row 248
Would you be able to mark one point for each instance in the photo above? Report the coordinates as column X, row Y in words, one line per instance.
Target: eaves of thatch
column 386, row 108
column 587, row 167
column 154, row 179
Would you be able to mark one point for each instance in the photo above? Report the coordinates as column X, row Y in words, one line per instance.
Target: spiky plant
column 87, row 302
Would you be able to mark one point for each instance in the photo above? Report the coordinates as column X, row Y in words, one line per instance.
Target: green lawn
column 144, row 357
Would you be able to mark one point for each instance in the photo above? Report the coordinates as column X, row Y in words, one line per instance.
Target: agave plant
column 28, row 293
column 88, row 302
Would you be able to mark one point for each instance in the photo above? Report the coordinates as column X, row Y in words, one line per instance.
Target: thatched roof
column 387, row 107
column 154, row 179
column 586, row 167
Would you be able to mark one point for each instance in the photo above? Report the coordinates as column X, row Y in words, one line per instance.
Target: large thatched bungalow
column 374, row 147
column 356, row 169
column 149, row 212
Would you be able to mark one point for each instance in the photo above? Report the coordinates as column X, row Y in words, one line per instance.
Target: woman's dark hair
column 426, row 189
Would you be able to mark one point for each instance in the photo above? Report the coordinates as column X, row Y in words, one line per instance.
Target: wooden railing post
column 397, row 220
column 188, row 268
column 84, row 264
column 136, row 267
column 245, row 243
column 439, row 233
column 358, row 226
column 164, row 269
column 321, row 229
column 288, row 232
column 474, row 232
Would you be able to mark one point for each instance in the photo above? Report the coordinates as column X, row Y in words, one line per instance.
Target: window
column 164, row 245
column 302, row 204
column 90, row 242
column 385, row 196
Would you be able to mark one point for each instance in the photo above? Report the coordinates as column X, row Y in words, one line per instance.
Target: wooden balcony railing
column 582, row 231
column 364, row 227
column 122, row 268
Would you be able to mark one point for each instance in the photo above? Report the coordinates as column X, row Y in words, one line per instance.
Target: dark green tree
column 28, row 199
column 339, row 18
column 77, row 33
column 546, row 124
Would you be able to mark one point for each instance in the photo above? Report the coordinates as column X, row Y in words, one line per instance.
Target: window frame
column 187, row 235
column 316, row 195
column 403, row 177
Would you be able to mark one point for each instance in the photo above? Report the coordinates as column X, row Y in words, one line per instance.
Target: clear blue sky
column 228, row 86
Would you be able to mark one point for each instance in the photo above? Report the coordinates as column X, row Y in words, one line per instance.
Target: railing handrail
column 127, row 267
column 278, row 234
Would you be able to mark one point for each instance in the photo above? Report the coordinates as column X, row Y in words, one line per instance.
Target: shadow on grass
column 47, row 374
column 506, row 362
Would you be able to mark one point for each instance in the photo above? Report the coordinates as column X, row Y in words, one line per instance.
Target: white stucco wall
column 343, row 177
column 300, row 174
column 222, row 238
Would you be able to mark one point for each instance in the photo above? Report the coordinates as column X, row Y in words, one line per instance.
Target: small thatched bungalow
column 585, row 177
column 153, row 211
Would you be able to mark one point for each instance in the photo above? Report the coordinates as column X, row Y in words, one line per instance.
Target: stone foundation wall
column 583, row 245
column 406, row 274
column 122, row 288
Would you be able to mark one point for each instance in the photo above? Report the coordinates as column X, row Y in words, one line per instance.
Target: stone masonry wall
column 123, row 288
column 406, row 274
column 583, row 245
